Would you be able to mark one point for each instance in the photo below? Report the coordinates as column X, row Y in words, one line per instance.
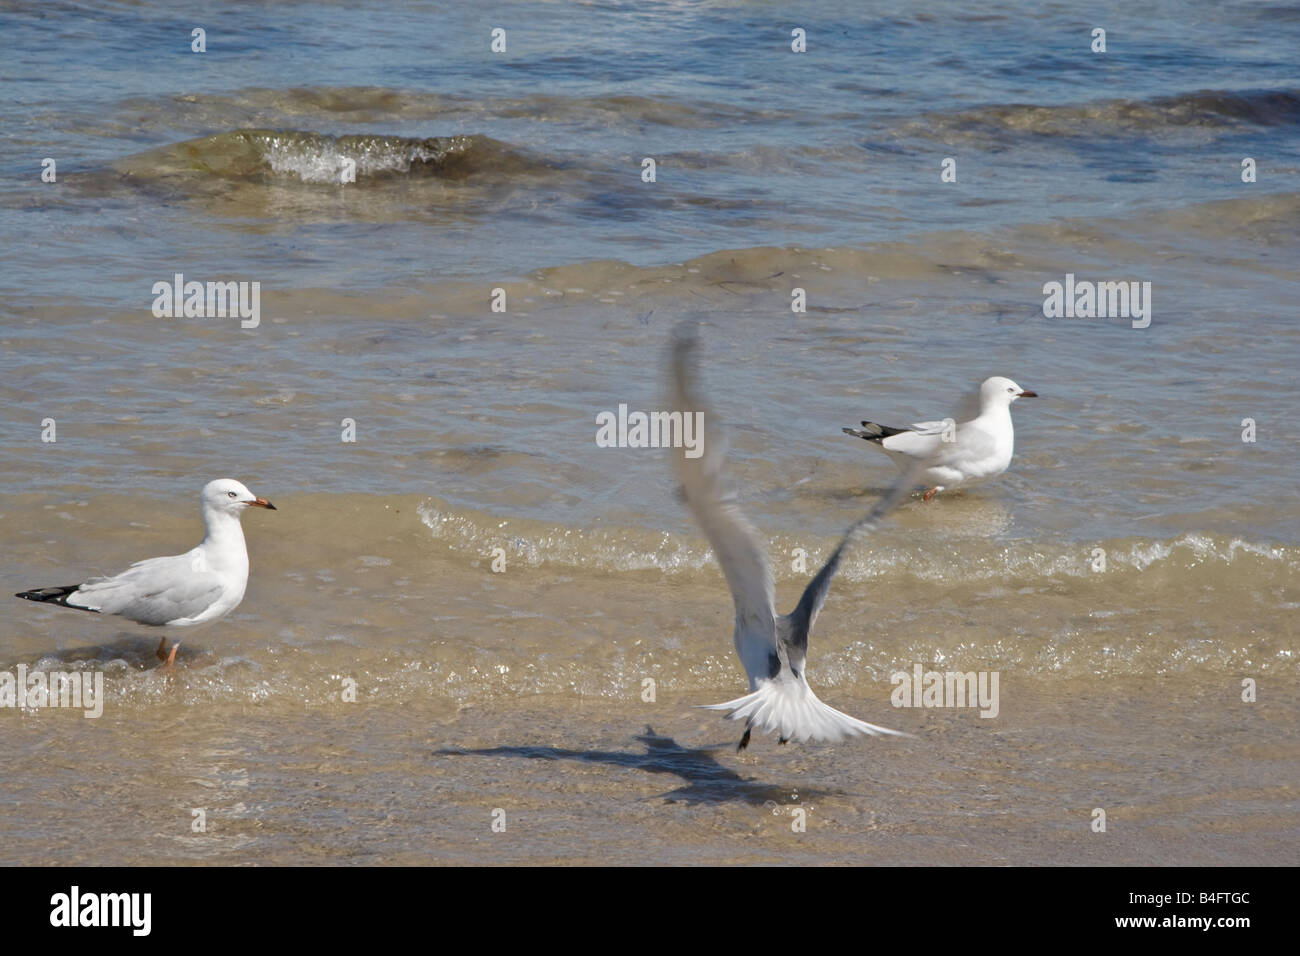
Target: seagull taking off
column 183, row 590
column 959, row 454
column 771, row 647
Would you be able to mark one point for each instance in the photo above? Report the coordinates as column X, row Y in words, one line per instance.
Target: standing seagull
column 183, row 590
column 959, row 454
column 771, row 647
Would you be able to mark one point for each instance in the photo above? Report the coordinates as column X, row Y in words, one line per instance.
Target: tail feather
column 792, row 709
column 54, row 595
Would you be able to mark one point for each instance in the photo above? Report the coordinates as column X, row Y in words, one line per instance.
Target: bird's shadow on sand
column 707, row 781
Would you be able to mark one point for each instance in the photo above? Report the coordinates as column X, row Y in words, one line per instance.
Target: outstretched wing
column 741, row 553
column 796, row 626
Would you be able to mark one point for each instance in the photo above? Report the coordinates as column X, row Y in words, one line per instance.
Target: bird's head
column 227, row 496
column 1001, row 391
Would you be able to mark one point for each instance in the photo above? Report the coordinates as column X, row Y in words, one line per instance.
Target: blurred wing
column 798, row 624
column 741, row 553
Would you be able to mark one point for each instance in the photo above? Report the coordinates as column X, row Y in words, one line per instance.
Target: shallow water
column 522, row 690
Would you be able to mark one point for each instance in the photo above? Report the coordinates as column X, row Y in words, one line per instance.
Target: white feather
column 789, row 707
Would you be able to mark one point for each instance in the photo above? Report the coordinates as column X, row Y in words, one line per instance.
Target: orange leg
column 929, row 494
column 162, row 649
column 171, row 658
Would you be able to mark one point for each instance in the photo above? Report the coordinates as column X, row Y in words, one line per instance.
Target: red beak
column 262, row 503
column 1027, row 395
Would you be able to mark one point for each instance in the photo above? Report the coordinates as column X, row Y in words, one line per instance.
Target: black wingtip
column 880, row 431
column 53, row 595
column 865, row 435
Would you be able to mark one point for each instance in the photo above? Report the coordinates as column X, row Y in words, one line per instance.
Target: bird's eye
column 1011, row 390
column 230, row 494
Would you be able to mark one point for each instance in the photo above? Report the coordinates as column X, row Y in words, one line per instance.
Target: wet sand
column 611, row 782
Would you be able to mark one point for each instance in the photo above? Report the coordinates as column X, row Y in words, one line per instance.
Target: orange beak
column 262, row 503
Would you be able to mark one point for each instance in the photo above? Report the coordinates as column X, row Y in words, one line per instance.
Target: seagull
column 772, row 647
column 182, row 590
column 962, row 454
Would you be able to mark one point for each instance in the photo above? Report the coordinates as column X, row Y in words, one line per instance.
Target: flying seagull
column 962, row 454
column 772, row 647
column 182, row 590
